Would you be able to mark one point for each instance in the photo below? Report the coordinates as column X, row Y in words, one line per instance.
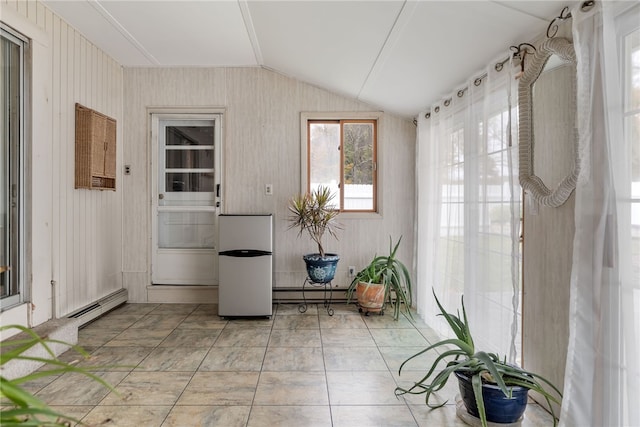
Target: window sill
column 359, row 215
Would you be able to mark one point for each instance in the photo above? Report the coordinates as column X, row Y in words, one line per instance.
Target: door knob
column 160, row 196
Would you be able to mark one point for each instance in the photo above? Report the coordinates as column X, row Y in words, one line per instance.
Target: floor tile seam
column 182, row 319
column 378, row 349
column 297, row 346
column 264, row 356
column 296, row 329
column 365, row 405
column 132, row 328
column 116, row 368
column 226, row 323
column 387, row 364
column 173, row 405
column 207, row 354
column 324, row 365
column 161, row 305
column 276, row 405
column 139, row 404
column 110, row 391
column 315, row 405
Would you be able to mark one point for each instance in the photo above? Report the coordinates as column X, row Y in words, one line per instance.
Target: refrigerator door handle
column 245, row 253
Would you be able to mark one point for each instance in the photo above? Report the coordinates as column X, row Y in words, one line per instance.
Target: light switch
column 268, row 189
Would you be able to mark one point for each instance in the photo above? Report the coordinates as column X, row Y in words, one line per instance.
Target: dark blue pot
column 319, row 269
column 498, row 407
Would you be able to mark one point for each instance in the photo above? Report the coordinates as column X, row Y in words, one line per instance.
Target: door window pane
column 186, row 230
column 190, row 135
column 189, row 159
column 189, row 182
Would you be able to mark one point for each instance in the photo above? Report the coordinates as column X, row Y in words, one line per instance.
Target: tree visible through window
column 342, row 156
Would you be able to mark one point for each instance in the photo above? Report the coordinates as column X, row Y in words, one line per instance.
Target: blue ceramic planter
column 319, row 269
column 498, row 407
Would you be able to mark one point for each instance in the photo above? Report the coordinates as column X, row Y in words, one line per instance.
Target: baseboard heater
column 100, row 307
column 313, row 294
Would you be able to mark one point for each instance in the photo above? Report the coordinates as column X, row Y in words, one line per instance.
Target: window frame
column 627, row 24
column 16, row 178
column 343, row 117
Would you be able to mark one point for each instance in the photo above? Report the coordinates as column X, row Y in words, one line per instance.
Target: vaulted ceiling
column 399, row 56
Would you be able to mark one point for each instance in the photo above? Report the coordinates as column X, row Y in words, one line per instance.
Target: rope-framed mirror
column 550, row 53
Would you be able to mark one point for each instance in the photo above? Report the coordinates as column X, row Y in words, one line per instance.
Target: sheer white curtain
column 469, row 210
column 601, row 380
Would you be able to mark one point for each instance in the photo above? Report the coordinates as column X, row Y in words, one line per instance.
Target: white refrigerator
column 245, row 256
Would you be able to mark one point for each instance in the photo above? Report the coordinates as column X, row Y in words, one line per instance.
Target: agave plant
column 23, row 408
column 390, row 272
column 314, row 213
column 460, row 355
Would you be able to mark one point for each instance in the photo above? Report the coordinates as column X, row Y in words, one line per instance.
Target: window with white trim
column 629, row 31
column 339, row 152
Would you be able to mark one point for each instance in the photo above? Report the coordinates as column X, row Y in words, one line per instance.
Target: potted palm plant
column 386, row 280
column 315, row 214
column 491, row 389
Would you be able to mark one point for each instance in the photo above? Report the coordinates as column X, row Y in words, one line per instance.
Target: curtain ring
column 437, row 109
column 587, row 5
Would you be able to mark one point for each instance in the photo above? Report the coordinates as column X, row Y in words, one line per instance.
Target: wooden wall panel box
column 95, row 150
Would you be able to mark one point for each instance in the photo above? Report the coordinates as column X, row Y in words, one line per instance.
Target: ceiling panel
column 400, row 56
column 332, row 44
column 439, row 48
column 86, row 18
column 183, row 33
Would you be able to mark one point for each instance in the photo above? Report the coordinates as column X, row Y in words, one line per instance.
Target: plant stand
column 327, row 302
column 467, row 418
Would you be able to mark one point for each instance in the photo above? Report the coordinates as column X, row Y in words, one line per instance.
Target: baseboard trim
column 182, row 294
column 188, row 294
column 102, row 306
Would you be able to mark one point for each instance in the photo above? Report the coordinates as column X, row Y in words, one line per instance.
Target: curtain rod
column 518, row 52
column 552, row 29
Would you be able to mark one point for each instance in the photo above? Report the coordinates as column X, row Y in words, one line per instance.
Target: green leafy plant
column 314, row 213
column 459, row 355
column 390, row 272
column 23, row 408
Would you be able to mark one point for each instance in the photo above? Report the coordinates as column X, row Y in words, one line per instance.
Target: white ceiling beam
column 395, row 33
column 126, row 34
column 251, row 31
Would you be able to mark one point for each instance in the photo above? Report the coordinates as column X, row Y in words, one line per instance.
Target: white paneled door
column 186, row 198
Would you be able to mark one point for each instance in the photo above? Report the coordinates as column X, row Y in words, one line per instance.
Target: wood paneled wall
column 548, row 232
column 261, row 145
column 85, row 226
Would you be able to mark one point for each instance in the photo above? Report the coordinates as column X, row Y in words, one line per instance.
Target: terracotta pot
column 370, row 296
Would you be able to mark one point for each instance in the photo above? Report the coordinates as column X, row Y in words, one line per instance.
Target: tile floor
column 182, row 365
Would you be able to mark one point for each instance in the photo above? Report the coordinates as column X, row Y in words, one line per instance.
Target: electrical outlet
column 268, row 189
column 352, row 271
